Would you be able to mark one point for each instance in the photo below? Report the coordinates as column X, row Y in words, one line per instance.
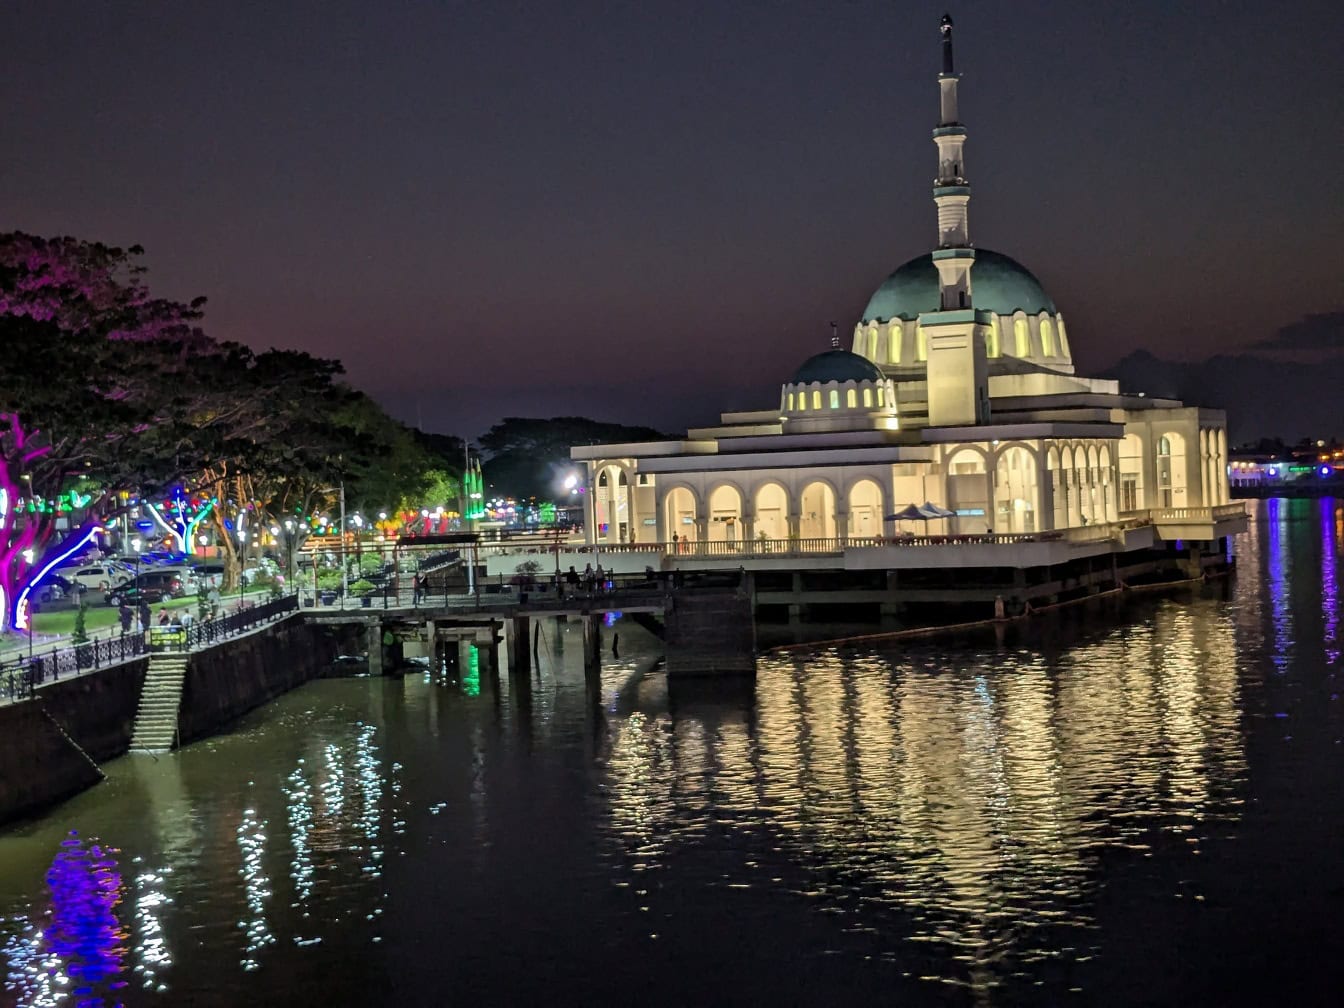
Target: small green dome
column 837, row 366
column 998, row 284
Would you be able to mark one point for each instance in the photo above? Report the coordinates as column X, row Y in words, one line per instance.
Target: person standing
column 417, row 586
column 144, row 616
column 215, row 601
column 125, row 615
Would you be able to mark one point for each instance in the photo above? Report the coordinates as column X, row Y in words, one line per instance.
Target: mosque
column 956, row 416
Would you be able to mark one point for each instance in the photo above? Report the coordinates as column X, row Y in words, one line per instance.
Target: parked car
column 211, row 575
column 99, row 576
column 166, row 558
column 51, row 588
column 150, row 586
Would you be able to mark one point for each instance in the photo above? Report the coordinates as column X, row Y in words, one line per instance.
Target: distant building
column 958, row 391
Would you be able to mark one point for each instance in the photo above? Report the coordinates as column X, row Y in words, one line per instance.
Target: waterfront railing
column 20, row 677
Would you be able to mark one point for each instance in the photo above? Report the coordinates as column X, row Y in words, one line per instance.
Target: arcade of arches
column 1016, row 487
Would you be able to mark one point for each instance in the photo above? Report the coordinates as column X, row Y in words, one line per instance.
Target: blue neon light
column 21, row 603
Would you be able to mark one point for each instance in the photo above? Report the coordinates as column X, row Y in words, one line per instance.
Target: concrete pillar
column 701, row 530
column 842, row 525
column 448, row 656
column 375, row 646
column 749, row 527
column 794, row 523
column 487, row 655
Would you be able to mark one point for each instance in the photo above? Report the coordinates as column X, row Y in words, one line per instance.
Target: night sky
column 649, row 212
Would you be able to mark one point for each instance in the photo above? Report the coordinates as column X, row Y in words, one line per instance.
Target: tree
column 529, row 457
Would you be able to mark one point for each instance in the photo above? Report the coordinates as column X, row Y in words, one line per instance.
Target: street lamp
column 345, row 573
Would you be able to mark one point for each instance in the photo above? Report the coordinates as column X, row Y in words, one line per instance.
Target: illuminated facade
column 959, row 390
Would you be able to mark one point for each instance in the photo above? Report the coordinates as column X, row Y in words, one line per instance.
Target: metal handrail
column 20, row 677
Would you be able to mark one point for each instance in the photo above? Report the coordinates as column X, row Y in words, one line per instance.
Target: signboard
column 167, row 638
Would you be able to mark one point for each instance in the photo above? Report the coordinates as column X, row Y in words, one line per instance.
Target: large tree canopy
column 104, row 386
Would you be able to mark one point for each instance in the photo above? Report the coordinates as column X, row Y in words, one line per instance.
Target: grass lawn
column 99, row 618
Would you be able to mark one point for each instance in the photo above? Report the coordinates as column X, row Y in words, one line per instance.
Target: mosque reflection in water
column 970, row 793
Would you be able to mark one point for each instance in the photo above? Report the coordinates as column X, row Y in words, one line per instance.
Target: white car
column 99, row 577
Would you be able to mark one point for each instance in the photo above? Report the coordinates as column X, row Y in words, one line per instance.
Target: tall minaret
column 950, row 190
column 958, row 379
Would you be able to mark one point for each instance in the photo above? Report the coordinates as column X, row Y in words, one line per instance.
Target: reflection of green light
column 471, row 682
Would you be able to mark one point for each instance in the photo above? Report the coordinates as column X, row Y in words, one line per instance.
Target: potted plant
column 328, row 585
column 363, row 588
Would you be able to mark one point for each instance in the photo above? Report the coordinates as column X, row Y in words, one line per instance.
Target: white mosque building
column 959, row 392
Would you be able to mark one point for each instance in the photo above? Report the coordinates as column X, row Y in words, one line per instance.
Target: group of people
column 590, row 580
column 142, row 617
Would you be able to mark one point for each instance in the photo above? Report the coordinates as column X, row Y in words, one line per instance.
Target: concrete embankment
column 49, row 747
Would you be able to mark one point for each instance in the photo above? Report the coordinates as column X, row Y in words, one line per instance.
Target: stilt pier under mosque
column 707, row 628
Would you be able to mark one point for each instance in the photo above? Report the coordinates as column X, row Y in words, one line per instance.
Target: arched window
column 992, row 338
column 1022, row 337
column 880, row 397
column 835, row 398
column 790, row 402
column 868, row 398
column 1047, row 339
column 851, row 398
column 1164, row 446
column 816, row 399
column 1063, row 338
column 921, row 344
column 894, row 341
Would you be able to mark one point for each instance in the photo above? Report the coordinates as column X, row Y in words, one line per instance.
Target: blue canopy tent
column 926, row 512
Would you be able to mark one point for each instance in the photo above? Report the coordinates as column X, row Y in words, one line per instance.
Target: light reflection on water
column 946, row 811
column 971, row 792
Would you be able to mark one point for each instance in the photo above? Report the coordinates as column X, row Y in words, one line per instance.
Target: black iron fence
column 22, row 675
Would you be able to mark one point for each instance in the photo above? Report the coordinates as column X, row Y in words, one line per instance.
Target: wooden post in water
column 520, row 653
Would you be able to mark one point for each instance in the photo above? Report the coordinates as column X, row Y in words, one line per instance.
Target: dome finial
column 835, row 336
column 945, row 26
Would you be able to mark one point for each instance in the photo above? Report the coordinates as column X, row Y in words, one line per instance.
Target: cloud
column 1310, row 333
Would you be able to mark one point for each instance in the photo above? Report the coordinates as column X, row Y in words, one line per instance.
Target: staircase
column 156, row 720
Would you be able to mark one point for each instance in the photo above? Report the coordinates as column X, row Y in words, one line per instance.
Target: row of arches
column 1024, row 336
column 728, row 514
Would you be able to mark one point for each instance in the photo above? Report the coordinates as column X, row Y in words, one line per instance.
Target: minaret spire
column 950, row 190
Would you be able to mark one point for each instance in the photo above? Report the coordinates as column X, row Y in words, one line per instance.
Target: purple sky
column 649, row 212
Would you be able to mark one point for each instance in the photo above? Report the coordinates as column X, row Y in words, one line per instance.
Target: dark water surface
column 1137, row 803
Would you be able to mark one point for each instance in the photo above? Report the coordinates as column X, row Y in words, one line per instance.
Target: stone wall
column 226, row 682
column 38, row 764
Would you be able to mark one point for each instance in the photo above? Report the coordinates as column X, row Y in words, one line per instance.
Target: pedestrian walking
column 417, row 586
column 589, row 578
column 215, row 602
column 601, row 578
column 125, row 614
column 144, row 616
column 572, row 580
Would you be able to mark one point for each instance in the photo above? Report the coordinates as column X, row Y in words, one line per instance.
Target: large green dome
column 836, row 366
column 998, row 284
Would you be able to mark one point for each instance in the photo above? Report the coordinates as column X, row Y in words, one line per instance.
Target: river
column 1133, row 802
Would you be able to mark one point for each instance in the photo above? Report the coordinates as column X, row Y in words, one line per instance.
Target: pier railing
column 21, row 676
